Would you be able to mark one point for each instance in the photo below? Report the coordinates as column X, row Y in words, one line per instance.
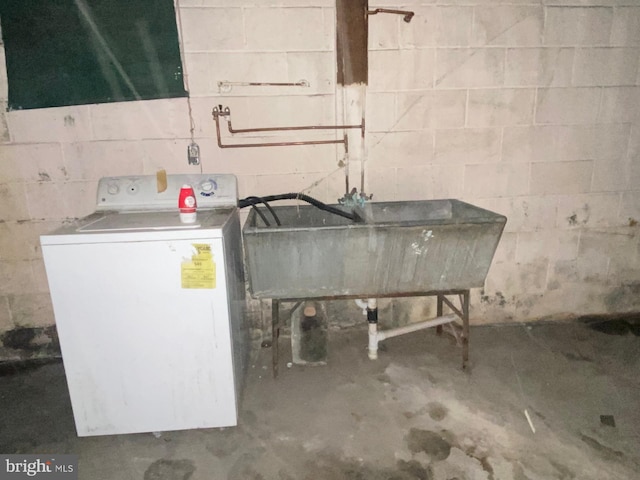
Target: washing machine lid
column 140, row 226
column 130, row 221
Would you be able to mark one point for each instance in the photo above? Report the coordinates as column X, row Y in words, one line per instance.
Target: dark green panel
column 73, row 52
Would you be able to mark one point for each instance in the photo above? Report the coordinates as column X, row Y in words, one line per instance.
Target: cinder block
column 626, row 27
column 6, row 323
column 526, row 214
column 246, row 186
column 197, row 68
column 40, row 281
column 578, row 26
column 567, row 105
column 13, row 202
column 288, row 29
column 381, row 112
column 50, row 125
column 468, row 145
column 308, row 183
column 165, row 118
column 561, row 177
column 31, row 310
column 317, row 68
column 32, row 162
column 18, row 241
column 562, row 272
column 634, row 155
column 453, row 25
column 529, row 144
column 384, row 32
column 5, row 137
column 397, row 149
column 422, row 30
column 620, row 105
column 508, row 25
column 15, row 277
column 582, row 142
column 605, row 66
column 94, row 160
column 430, row 182
column 10, row 169
column 431, row 109
column 506, row 249
column 593, row 256
column 54, row 200
column 556, row 245
column 212, row 29
column 391, row 70
column 493, row 107
column 544, row 67
column 283, row 111
column 588, row 210
column 469, row 67
column 630, row 208
column 611, row 175
column 496, row 180
column 382, row 183
column 522, row 278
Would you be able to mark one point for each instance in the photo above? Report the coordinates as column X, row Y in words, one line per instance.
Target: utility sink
column 397, row 248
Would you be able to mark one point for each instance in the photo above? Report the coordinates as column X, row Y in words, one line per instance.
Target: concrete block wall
column 528, row 108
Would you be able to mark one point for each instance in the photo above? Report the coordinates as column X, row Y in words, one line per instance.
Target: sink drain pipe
column 376, row 336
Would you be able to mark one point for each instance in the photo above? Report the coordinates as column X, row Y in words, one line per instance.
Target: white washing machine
column 150, row 311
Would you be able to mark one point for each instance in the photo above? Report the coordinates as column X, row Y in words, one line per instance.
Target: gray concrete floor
column 413, row 414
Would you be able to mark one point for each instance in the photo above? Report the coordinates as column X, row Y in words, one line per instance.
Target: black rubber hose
column 261, row 200
column 306, row 198
column 264, row 219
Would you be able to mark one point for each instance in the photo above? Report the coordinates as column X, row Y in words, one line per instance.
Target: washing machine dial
column 113, row 189
column 208, row 187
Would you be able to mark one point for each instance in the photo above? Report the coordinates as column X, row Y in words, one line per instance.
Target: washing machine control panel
column 151, row 192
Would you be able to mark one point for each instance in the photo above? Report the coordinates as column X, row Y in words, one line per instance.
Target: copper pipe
column 279, row 129
column 407, row 14
column 225, row 112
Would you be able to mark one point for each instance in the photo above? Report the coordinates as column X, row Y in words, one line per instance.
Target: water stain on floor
column 334, row 468
column 431, row 443
column 437, row 411
column 170, row 470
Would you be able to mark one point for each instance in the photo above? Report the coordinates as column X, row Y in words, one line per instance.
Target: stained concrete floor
column 413, row 414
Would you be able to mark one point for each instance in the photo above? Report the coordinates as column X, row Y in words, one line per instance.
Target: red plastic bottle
column 187, row 204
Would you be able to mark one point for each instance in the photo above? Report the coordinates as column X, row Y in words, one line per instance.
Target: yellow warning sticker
column 200, row 272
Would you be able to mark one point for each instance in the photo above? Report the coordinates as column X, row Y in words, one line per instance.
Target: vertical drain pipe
column 372, row 319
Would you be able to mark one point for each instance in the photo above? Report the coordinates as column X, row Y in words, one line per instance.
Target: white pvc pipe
column 376, row 336
column 362, row 304
column 414, row 327
column 370, row 303
column 373, row 341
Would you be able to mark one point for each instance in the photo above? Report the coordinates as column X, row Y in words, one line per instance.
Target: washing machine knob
column 208, row 186
column 113, row 189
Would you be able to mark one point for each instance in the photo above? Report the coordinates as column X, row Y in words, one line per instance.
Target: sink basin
column 398, row 248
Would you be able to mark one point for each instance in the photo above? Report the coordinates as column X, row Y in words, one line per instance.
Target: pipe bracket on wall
column 220, row 111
